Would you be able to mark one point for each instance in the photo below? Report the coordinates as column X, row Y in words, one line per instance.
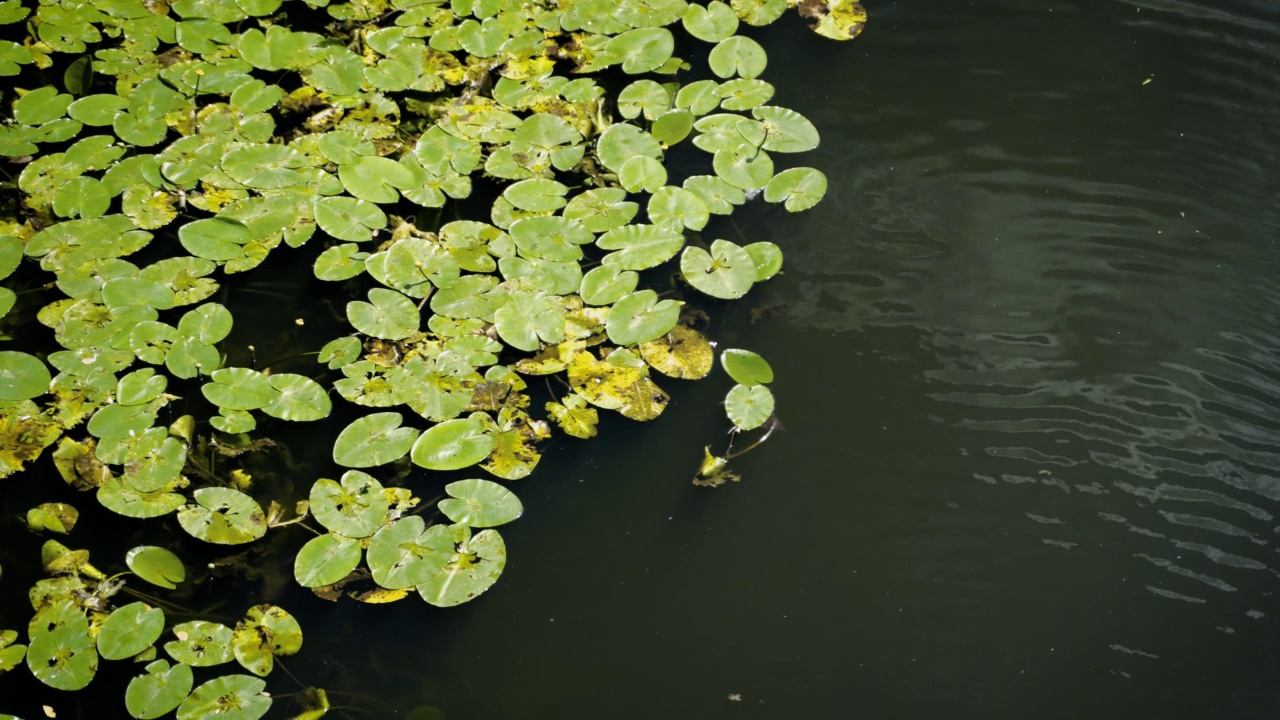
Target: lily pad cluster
column 519, row 204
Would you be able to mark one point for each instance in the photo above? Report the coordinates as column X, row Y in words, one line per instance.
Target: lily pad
column 156, row 565
column 640, row 247
column 641, row 317
column 157, row 692
column 620, row 143
column 480, row 504
column 738, row 55
column 676, row 209
column 798, row 188
column 388, row 315
column 786, row 130
column 601, row 209
column 642, row 50
column 404, row 552
column 536, row 195
column 355, row 507
column 61, row 653
column 749, row 407
column 375, row 439
column 607, row 284
column 266, row 631
column 201, row 643
column 682, row 353
column 325, row 560
column 231, row 697
column 767, row 258
column 22, row 376
column 472, row 569
column 129, row 630
column 239, row 388
column 223, row 516
column 298, row 398
column 453, row 445
column 349, row 219
column 713, row 23
column 727, row 272
column 746, row 367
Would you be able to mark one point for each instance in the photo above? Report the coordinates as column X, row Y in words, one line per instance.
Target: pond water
column 1028, row 360
column 1028, row 365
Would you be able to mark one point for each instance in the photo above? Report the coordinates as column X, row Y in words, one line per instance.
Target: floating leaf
column 61, row 653
column 746, row 168
column 473, row 568
column 746, row 367
column 759, row 12
column 527, row 320
column 215, row 238
column 601, row 209
column 727, row 272
column 52, row 517
column 22, row 376
column 404, row 552
column 737, row 55
column 159, row 691
column 719, row 196
column 239, row 388
column 607, row 284
column 355, row 508
column 749, row 407
column 672, row 127
column 129, row 630
column 620, row 143
column 480, row 504
column 800, row 188
column 786, row 130
column 767, row 258
column 642, row 50
column 836, row 19
column 231, row 697
column 325, row 560
column 201, row 643
column 156, row 565
column 642, row 173
column 574, row 417
column 675, row 209
column 453, row 445
column 536, row 195
column 223, row 516
column 375, row 439
column 375, row 179
column 349, row 219
column 265, row 167
column 388, row 315
column 641, row 317
column 265, row 632
column 682, row 353
column 640, row 247
column 299, row 398
column 712, row 23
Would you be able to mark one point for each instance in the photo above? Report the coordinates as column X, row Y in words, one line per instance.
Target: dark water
column 1028, row 361
column 1029, row 365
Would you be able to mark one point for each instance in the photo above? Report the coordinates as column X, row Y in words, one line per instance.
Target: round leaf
column 640, row 317
column 727, row 272
column 223, row 516
column 239, row 388
column 159, row 691
column 375, row 439
column 799, row 188
column 22, row 376
column 749, row 407
column 325, row 560
column 354, row 508
column 298, row 398
column 746, row 367
column 156, row 565
column 231, row 697
column 453, row 445
column 129, row 630
column 388, row 315
column 480, row 503
column 737, row 55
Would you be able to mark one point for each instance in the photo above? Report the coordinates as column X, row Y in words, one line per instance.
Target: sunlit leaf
column 746, row 367
column 749, row 407
column 156, row 565
column 480, row 504
column 129, row 630
column 453, row 445
column 375, row 439
column 223, row 516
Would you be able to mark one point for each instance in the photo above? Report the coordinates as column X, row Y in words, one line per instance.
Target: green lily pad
column 744, row 94
column 325, row 560
column 550, row 237
column 738, row 55
column 480, row 503
column 209, row 323
column 672, row 127
column 642, row 173
column 536, row 195
column 375, row 439
column 354, row 508
column 640, row 247
column 607, row 284
column 699, row 97
column 349, row 219
column 642, row 50
column 759, row 12
column 339, row 352
column 129, row 630
column 22, row 376
column 641, row 317
column 223, row 516
column 156, row 565
column 233, row 422
column 727, row 272
column 453, row 445
column 340, row 262
column 52, row 517
column 643, row 96
column 157, row 692
column 266, row 631
column 61, row 654
column 713, row 23
column 404, row 552
column 620, row 143
column 201, row 643
column 746, row 368
column 216, row 238
column 119, row 498
column 239, row 388
column 298, row 399
column 473, row 568
column 675, row 209
column 835, row 19
column 528, row 320
column 786, row 130
column 230, row 697
column 749, row 407
column 265, row 167
column 767, row 258
column 388, row 315
column 601, row 209
column 40, row 106
column 746, row 168
column 375, row 179
column 798, row 188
